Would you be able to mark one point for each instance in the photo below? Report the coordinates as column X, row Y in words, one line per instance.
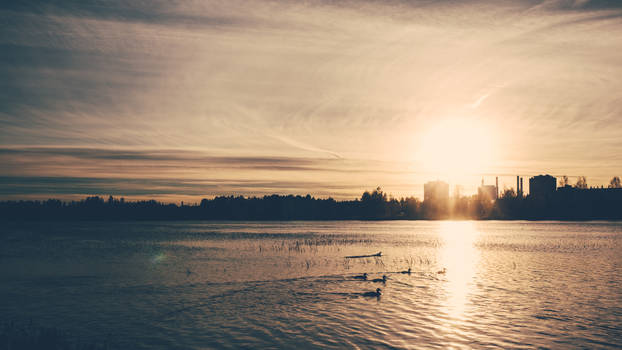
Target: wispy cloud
column 69, row 172
column 222, row 85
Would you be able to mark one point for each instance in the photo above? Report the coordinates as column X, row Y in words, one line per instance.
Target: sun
column 457, row 147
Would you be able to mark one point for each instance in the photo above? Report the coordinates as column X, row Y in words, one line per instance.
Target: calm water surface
column 199, row 285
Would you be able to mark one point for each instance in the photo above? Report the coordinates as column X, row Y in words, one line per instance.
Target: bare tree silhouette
column 581, row 182
column 563, row 181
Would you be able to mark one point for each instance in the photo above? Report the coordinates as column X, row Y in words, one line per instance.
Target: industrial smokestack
column 517, row 185
column 521, row 186
column 497, row 185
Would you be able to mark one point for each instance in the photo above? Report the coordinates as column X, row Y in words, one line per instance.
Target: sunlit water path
column 226, row 285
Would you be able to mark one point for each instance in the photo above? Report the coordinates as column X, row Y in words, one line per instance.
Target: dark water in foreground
column 227, row 285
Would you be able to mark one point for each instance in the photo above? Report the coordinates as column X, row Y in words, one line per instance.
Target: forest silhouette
column 566, row 203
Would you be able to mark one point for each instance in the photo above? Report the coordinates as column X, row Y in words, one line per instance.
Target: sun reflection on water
column 459, row 257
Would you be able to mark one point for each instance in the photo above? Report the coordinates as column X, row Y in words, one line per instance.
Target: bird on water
column 380, row 280
column 406, row 272
column 376, row 294
column 361, row 277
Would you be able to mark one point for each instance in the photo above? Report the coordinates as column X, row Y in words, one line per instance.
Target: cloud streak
column 132, row 187
column 274, row 89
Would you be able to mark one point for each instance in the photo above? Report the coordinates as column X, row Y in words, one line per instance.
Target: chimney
column 497, row 186
column 521, row 186
column 517, row 185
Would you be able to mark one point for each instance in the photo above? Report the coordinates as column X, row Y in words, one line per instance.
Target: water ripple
column 286, row 285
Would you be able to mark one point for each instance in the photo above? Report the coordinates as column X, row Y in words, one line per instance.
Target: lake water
column 195, row 285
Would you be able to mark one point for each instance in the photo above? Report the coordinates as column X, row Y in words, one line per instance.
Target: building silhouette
column 488, row 192
column 542, row 186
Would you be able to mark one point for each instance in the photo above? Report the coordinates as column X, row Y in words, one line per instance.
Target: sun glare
column 454, row 148
column 460, row 257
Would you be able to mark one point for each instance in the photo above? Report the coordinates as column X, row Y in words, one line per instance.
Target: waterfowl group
column 378, row 291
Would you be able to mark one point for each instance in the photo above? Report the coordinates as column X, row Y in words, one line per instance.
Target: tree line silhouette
column 566, row 203
column 372, row 206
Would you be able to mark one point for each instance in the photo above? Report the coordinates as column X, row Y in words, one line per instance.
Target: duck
column 361, row 277
column 375, row 294
column 406, row 272
column 381, row 280
column 442, row 272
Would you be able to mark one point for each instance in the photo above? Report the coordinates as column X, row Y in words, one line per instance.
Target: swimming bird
column 382, row 280
column 442, row 272
column 407, row 271
column 376, row 294
column 361, row 277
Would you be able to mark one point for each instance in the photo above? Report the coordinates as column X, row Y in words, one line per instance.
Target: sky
column 182, row 100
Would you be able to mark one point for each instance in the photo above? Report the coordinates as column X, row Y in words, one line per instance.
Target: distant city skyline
column 181, row 101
